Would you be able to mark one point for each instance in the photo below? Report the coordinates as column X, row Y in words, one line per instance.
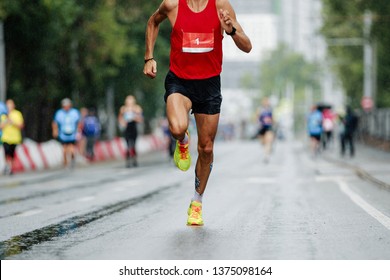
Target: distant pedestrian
column 80, row 137
column 347, row 135
column 266, row 133
column 11, row 126
column 314, row 128
column 328, row 124
column 66, row 125
column 91, row 131
column 3, row 111
column 130, row 114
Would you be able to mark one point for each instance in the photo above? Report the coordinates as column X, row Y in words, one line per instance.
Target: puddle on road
column 26, row 241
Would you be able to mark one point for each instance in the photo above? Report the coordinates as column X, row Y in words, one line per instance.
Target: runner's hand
column 226, row 20
column 150, row 68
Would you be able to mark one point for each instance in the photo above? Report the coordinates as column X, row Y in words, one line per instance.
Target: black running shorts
column 315, row 136
column 9, row 150
column 205, row 94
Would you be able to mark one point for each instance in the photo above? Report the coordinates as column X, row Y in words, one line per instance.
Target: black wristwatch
column 232, row 33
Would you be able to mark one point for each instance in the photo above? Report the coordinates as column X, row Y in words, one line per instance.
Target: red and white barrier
column 48, row 155
column 116, row 148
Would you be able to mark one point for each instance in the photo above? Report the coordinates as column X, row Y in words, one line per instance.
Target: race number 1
column 197, row 42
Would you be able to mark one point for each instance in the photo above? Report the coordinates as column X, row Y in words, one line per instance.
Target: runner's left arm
column 228, row 19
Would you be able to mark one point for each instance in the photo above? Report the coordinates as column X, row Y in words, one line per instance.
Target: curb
column 361, row 173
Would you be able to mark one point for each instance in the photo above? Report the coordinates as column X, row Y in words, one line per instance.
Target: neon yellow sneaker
column 195, row 214
column 182, row 157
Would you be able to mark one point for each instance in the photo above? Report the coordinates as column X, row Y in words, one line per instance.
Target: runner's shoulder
column 223, row 4
column 168, row 6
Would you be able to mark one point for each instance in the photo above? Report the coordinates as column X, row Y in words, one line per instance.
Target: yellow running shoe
column 195, row 214
column 182, row 157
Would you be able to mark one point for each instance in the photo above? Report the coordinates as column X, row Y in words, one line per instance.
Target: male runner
column 65, row 125
column 266, row 133
column 193, row 80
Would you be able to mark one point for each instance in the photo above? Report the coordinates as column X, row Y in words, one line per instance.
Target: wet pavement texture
column 294, row 207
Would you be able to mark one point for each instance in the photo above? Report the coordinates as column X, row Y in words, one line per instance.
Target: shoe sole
column 181, row 169
column 195, row 225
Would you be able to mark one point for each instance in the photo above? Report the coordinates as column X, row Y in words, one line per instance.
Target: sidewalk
column 369, row 163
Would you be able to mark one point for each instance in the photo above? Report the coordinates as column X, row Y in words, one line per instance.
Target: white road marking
column 30, row 213
column 379, row 216
column 359, row 201
column 86, row 198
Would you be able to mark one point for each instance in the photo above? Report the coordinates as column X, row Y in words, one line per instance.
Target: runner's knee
column 178, row 129
column 206, row 149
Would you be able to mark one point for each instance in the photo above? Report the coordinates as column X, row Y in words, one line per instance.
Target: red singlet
column 196, row 43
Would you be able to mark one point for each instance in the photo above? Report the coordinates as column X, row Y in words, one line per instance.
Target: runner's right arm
column 150, row 67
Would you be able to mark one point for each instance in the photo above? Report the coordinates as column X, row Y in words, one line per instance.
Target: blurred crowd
column 76, row 129
column 324, row 126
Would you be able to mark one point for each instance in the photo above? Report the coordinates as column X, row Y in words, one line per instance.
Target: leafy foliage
column 77, row 49
column 285, row 68
column 344, row 19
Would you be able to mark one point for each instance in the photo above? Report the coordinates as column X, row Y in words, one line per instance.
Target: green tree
column 284, row 67
column 345, row 19
column 70, row 48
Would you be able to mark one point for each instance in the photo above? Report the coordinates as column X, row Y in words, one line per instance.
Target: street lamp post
column 369, row 86
column 368, row 59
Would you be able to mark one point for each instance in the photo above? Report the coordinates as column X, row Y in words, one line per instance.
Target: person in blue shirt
column 314, row 128
column 3, row 111
column 91, row 129
column 66, row 125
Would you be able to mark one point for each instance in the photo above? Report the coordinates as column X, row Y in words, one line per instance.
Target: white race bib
column 197, row 42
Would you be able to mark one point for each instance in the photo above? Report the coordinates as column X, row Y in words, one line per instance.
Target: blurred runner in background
column 91, row 129
column 3, row 111
column 328, row 124
column 266, row 133
column 314, row 128
column 66, row 126
column 11, row 126
column 80, row 137
column 130, row 114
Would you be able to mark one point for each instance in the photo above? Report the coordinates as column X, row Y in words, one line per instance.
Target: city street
column 295, row 207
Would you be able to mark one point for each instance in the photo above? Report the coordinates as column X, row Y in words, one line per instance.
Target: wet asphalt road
column 294, row 207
